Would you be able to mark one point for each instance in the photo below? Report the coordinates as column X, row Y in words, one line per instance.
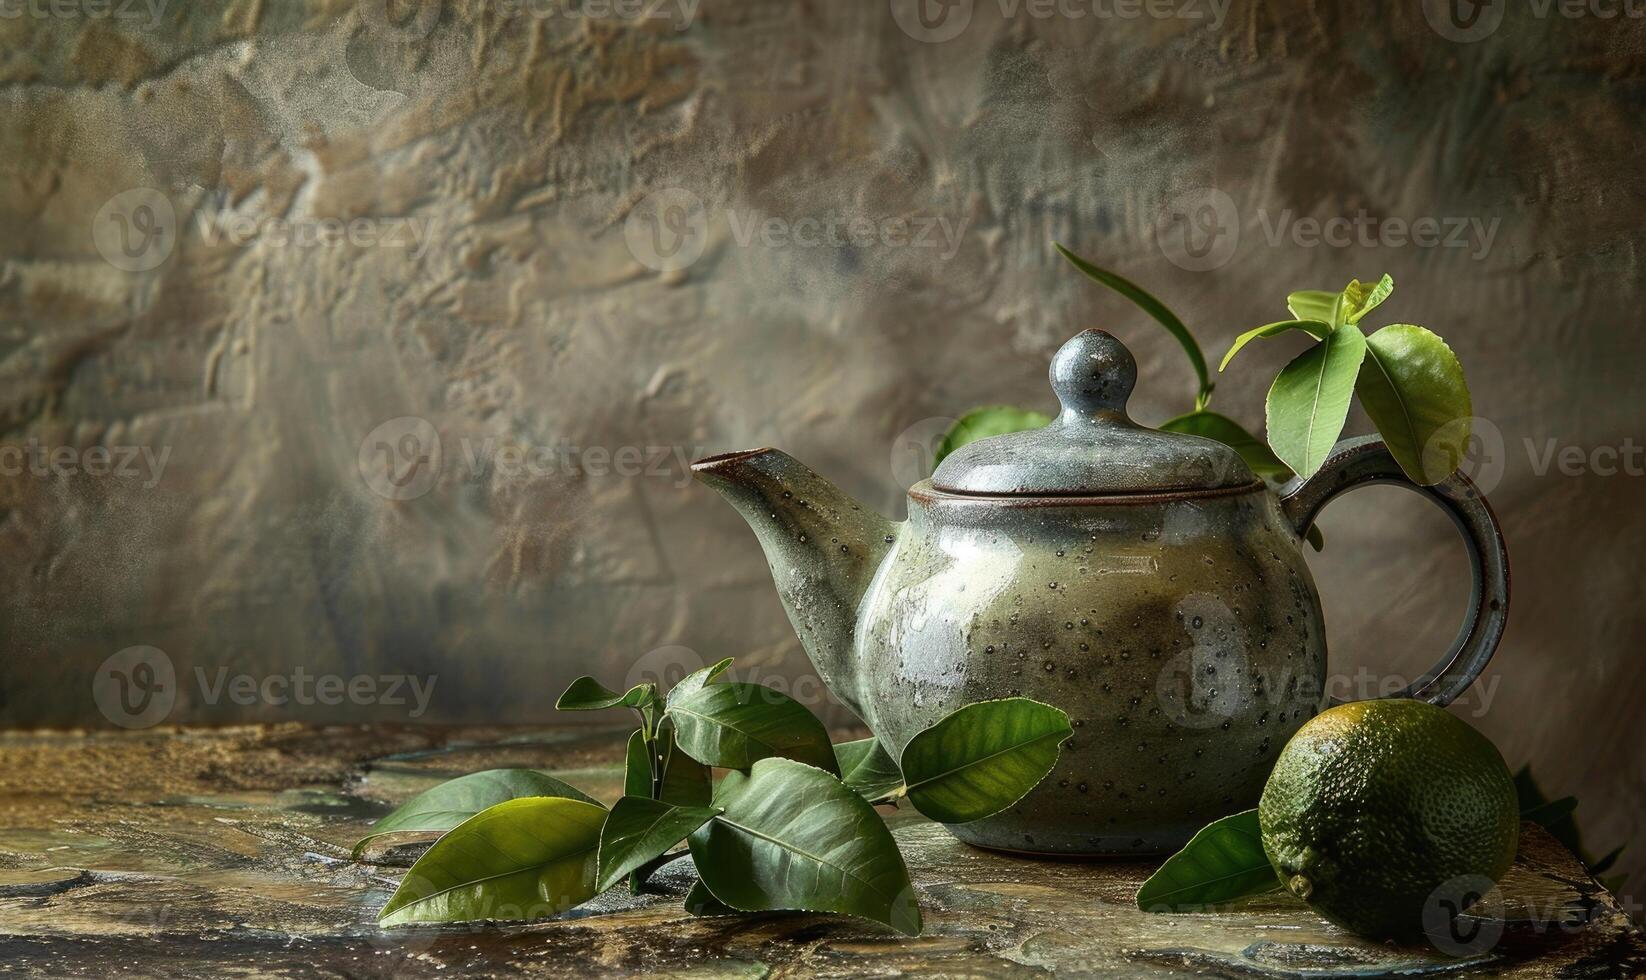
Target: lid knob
column 1093, row 373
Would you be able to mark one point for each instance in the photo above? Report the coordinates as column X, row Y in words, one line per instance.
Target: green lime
column 1376, row 809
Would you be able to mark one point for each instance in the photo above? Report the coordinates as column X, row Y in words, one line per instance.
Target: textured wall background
column 624, row 241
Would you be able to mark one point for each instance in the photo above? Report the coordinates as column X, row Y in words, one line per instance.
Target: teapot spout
column 823, row 548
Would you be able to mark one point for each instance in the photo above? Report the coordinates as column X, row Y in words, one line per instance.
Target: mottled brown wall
column 526, row 155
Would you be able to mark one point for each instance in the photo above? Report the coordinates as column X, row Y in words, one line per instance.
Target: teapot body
column 1144, row 581
column 1181, row 632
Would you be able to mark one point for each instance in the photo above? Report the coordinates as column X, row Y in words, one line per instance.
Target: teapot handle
column 1356, row 462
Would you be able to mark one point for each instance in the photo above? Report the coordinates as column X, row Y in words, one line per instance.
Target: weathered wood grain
column 213, row 853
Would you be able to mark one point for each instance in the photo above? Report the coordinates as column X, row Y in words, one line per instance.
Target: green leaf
column 1156, row 309
column 686, row 782
column 736, row 725
column 1606, row 862
column 867, row 768
column 1224, row 861
column 440, row 808
column 1211, row 425
column 639, row 829
column 1558, row 821
column 1551, row 813
column 1360, row 298
column 637, row 767
column 1412, row 387
column 697, row 679
column 1309, row 401
column 1314, row 328
column 1312, row 304
column 588, row 694
column 992, row 420
column 983, row 758
column 701, row 901
column 520, row 860
column 794, row 837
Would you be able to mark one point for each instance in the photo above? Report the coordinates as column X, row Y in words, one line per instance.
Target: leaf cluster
column 1406, row 377
column 1225, row 860
column 790, row 825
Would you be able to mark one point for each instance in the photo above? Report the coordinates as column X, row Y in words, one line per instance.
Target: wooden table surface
column 207, row 853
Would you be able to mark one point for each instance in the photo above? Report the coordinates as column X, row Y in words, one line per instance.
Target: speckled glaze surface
column 1143, row 582
column 1182, row 634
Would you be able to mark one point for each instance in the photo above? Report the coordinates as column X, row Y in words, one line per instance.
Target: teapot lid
column 1093, row 447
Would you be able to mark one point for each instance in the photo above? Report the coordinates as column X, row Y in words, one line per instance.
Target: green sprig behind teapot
column 1408, row 380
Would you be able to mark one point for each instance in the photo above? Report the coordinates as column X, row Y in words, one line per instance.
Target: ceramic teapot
column 1145, row 582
